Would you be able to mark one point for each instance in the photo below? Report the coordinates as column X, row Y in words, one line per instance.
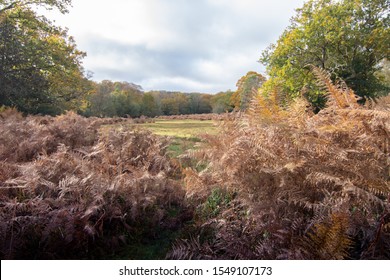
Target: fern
column 70, row 191
column 330, row 240
column 298, row 175
column 339, row 95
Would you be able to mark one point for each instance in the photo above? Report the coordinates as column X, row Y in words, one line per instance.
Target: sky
column 175, row 45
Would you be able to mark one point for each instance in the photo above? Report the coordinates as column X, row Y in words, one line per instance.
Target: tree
column 194, row 102
column 169, row 107
column 40, row 66
column 100, row 103
column 61, row 5
column 221, row 102
column 149, row 106
column 348, row 38
column 126, row 99
column 246, row 87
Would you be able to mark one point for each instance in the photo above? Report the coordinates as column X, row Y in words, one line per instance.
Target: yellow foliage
column 330, row 239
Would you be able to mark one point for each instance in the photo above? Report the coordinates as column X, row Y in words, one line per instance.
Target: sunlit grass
column 181, row 128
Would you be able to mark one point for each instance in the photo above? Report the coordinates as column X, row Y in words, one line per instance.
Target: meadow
column 182, row 128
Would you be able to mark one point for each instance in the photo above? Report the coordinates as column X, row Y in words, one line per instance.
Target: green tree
column 246, row 87
column 348, row 38
column 40, row 66
column 169, row 107
column 194, row 102
column 99, row 101
column 221, row 102
column 149, row 105
column 61, row 5
column 126, row 99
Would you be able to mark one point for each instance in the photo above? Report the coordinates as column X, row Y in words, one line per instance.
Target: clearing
column 181, row 128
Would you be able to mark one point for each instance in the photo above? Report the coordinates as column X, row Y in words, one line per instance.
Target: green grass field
column 181, row 128
column 185, row 133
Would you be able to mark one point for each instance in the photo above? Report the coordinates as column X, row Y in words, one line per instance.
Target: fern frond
column 330, row 239
column 339, row 95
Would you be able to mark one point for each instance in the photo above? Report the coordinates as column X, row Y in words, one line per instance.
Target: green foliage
column 347, row 38
column 219, row 199
column 61, row 5
column 222, row 102
column 149, row 106
column 122, row 99
column 177, row 103
column 40, row 66
column 108, row 99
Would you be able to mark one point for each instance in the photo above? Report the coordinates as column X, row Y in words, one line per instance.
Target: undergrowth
column 305, row 186
column 68, row 191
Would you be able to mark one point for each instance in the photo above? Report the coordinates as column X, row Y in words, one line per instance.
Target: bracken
column 308, row 186
column 71, row 191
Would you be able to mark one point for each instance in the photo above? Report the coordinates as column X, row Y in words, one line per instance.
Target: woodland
column 299, row 167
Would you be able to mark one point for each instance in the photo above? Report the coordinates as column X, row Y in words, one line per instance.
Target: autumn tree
column 126, row 99
column 149, row 107
column 347, row 38
column 247, row 86
column 221, row 102
column 169, row 107
column 40, row 66
column 109, row 99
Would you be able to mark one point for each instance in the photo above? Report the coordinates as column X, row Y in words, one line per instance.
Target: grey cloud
column 169, row 62
column 204, row 32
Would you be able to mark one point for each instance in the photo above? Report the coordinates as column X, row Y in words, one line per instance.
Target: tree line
column 123, row 99
column 41, row 68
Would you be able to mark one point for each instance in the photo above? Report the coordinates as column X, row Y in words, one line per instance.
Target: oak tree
column 347, row 38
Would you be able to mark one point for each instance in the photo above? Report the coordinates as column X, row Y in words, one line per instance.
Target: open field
column 183, row 134
column 181, row 128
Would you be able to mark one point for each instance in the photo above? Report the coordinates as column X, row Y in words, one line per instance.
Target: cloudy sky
column 185, row 45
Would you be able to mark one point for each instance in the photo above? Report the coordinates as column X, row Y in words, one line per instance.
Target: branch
column 60, row 5
column 9, row 7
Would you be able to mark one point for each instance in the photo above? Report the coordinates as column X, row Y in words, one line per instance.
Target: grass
column 181, row 128
column 184, row 134
column 179, row 145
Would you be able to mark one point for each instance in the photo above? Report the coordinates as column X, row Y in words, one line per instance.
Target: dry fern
column 330, row 240
column 294, row 172
column 67, row 192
